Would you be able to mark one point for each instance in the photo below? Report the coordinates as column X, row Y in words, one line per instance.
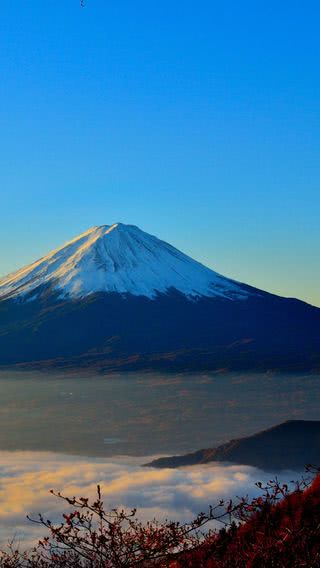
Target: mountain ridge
column 293, row 444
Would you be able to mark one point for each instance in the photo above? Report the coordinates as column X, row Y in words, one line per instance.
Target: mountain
column 119, row 259
column 116, row 297
column 290, row 445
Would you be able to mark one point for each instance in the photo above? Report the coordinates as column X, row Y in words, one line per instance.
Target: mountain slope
column 118, row 298
column 119, row 259
column 290, row 445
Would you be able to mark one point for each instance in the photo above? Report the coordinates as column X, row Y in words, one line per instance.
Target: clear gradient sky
column 198, row 121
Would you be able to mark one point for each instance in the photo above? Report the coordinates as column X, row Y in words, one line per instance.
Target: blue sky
column 197, row 121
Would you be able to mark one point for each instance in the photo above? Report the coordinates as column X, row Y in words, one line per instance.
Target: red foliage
column 275, row 533
column 278, row 529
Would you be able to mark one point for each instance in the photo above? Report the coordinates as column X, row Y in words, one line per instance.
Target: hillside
column 290, row 445
column 282, row 534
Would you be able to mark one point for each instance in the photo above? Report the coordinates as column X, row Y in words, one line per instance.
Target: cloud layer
column 27, row 477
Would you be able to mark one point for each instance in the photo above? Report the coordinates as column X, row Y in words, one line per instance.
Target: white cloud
column 27, row 477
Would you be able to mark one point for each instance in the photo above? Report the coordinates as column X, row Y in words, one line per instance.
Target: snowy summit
column 119, row 259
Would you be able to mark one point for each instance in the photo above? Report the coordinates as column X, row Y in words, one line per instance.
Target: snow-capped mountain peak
column 121, row 259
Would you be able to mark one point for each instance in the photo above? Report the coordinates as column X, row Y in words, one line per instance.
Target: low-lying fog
column 27, row 477
column 68, row 433
column 146, row 414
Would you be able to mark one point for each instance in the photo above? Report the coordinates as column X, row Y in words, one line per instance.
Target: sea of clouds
column 26, row 479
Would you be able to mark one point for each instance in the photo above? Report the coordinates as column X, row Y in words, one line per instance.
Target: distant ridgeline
column 290, row 445
column 118, row 298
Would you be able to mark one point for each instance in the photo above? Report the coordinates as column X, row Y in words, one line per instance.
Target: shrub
column 280, row 528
